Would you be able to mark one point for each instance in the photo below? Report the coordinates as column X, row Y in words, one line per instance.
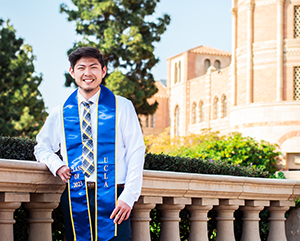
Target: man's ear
column 71, row 71
column 104, row 71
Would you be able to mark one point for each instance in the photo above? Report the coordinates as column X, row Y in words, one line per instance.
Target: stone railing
column 33, row 185
column 171, row 192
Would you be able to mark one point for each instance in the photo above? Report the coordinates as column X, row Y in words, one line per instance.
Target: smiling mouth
column 88, row 80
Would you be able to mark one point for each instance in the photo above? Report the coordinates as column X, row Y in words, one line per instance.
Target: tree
column 22, row 109
column 123, row 32
column 233, row 148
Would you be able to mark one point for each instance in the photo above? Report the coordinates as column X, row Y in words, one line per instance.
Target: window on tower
column 206, row 65
column 194, row 113
column 176, row 122
column 297, row 21
column 217, row 64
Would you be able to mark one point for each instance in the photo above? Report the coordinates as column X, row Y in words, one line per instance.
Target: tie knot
column 87, row 103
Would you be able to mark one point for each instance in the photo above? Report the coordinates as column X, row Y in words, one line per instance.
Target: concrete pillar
column 251, row 219
column 279, row 50
column 7, row 220
column 233, row 56
column 40, row 219
column 277, row 219
column 225, row 210
column 9, row 202
column 198, row 219
column 249, row 52
column 292, row 225
column 140, row 217
column 170, row 217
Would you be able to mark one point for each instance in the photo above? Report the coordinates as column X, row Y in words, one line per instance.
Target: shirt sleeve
column 135, row 154
column 48, row 142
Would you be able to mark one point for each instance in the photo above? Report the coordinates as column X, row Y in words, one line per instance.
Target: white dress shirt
column 130, row 145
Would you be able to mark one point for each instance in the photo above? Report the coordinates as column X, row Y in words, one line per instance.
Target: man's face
column 88, row 74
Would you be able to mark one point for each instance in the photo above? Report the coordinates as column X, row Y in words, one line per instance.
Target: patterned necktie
column 87, row 141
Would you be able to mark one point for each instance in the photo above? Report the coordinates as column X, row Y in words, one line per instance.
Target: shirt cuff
column 54, row 164
column 127, row 197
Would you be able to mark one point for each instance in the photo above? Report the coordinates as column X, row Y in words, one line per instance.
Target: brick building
column 254, row 90
column 156, row 123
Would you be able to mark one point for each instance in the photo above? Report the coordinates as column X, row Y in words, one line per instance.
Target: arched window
column 216, row 108
column 176, row 124
column 153, row 117
column 147, row 121
column 224, row 106
column 194, row 113
column 179, row 71
column 217, row 64
column 150, row 121
column 201, row 114
column 175, row 73
column 206, row 65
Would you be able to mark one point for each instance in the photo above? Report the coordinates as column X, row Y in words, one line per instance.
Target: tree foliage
column 233, row 149
column 22, row 109
column 125, row 34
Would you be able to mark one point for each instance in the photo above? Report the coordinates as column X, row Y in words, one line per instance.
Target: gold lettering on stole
column 105, row 169
column 76, row 176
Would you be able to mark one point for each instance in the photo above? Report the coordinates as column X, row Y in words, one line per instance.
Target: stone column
column 277, row 219
column 226, row 208
column 233, row 56
column 40, row 215
column 249, row 52
column 170, row 217
column 199, row 210
column 140, row 217
column 251, row 219
column 9, row 202
column 7, row 220
column 279, row 50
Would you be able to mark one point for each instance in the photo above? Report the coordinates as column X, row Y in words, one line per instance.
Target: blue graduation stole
column 105, row 167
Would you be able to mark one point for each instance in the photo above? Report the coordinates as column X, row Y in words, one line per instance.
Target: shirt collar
column 93, row 98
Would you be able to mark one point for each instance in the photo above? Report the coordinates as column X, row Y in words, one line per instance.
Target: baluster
column 170, row 217
column 9, row 202
column 40, row 215
column 140, row 217
column 198, row 219
column 251, row 219
column 277, row 219
column 226, row 208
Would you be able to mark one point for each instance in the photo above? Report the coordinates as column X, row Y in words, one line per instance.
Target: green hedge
column 22, row 149
column 17, row 148
column 192, row 165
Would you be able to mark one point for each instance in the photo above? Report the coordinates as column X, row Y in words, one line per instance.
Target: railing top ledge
column 28, row 177
column 220, row 178
column 24, row 165
column 162, row 183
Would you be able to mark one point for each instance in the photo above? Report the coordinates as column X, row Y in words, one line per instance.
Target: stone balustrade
column 33, row 185
column 171, row 192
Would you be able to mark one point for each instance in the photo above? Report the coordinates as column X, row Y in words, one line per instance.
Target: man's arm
column 134, row 158
column 48, row 143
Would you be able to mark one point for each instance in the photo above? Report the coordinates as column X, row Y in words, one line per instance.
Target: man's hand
column 64, row 173
column 121, row 212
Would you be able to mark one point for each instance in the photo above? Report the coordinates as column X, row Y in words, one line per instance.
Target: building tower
column 266, row 73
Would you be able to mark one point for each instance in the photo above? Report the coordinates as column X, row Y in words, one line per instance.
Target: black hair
column 90, row 52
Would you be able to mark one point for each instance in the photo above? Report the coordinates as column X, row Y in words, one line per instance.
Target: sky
column 39, row 23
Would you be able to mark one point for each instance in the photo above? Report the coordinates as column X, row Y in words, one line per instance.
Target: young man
column 100, row 139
